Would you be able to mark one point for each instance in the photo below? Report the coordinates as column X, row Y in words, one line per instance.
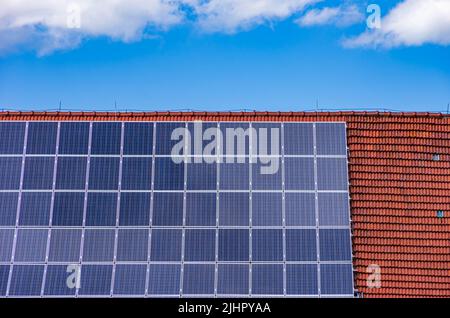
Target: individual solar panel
column 73, row 138
column 106, row 138
column 10, row 169
column 56, row 281
column 101, row 209
column 31, row 245
column 104, row 173
column 201, row 209
column 108, row 197
column 71, row 173
column 35, row 208
column 136, row 174
column 38, row 174
column 166, row 245
column 331, row 139
column 95, row 280
column 65, row 245
column 42, row 138
column 267, row 209
column 8, row 208
column 164, row 279
column 200, row 245
column 7, row 239
column 267, row 245
column 267, row 279
column 198, row 279
column 138, row 139
column 13, row 135
column 233, row 279
column 130, row 279
column 234, row 209
column 68, row 209
column 132, row 245
column 134, row 209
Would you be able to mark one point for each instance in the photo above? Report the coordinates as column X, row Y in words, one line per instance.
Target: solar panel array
column 100, row 209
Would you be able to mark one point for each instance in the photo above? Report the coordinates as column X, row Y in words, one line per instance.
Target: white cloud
column 344, row 15
column 232, row 15
column 43, row 24
column 410, row 23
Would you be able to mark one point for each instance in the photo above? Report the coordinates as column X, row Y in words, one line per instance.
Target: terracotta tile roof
column 396, row 190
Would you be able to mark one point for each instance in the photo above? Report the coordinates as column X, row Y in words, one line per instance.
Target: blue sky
column 272, row 59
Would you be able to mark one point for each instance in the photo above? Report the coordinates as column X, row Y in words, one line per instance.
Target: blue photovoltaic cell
column 300, row 209
column 298, row 139
column 56, row 281
column 208, row 133
column 234, row 245
column 301, row 245
column 71, row 173
column 266, row 173
column 98, row 245
column 35, row 208
column 12, row 138
column 201, row 209
column 234, row 176
column 164, row 279
column 167, row 209
column 164, row 142
column 137, row 174
column 267, row 279
column 26, row 280
column 335, row 245
column 8, row 208
column 101, row 209
column 198, row 279
column 267, row 245
column 234, row 209
column 68, row 209
column 132, row 245
column 130, row 280
column 201, row 176
column 233, row 279
column 10, row 168
column 168, row 174
column 333, row 209
column 138, row 139
column 269, row 139
column 200, row 245
column 330, row 139
column 106, row 138
column 336, row 279
column 4, row 275
column 266, row 209
column 7, row 239
column 42, row 138
column 104, row 173
column 165, row 245
column 73, row 138
column 263, row 233
column 65, row 245
column 38, row 174
column 31, row 245
column 236, row 139
column 95, row 280
column 301, row 279
column 134, row 209
column 299, row 173
column 332, row 174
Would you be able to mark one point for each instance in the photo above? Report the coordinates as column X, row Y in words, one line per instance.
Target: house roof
column 397, row 188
